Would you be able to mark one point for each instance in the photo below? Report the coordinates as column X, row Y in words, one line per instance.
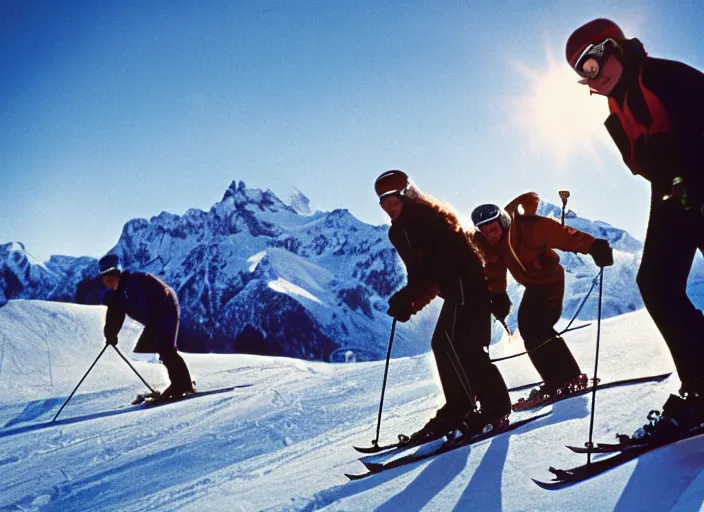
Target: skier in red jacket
column 657, row 122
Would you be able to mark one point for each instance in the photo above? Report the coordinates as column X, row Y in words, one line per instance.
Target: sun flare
column 560, row 117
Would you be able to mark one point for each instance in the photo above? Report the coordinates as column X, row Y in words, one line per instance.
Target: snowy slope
column 283, row 442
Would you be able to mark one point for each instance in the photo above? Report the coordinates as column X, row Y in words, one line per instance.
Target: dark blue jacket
column 143, row 297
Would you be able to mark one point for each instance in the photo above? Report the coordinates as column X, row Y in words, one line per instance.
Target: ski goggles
column 392, row 193
column 485, row 213
column 592, row 59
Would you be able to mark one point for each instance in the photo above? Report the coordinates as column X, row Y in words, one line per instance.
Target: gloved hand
column 111, row 340
column 679, row 192
column 500, row 305
column 688, row 193
column 602, row 253
column 400, row 306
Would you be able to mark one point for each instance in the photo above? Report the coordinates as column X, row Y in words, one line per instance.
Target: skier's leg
column 472, row 336
column 147, row 341
column 457, row 401
column 540, row 309
column 449, row 415
column 166, row 332
column 670, row 244
column 178, row 373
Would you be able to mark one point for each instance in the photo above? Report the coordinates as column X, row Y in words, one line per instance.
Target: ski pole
column 375, row 442
column 461, row 375
column 79, row 383
column 498, row 359
column 503, row 324
column 457, row 365
column 581, row 305
column 563, row 331
column 133, row 369
column 564, row 194
column 596, row 367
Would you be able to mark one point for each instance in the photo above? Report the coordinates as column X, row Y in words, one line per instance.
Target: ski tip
column 578, row 449
column 548, row 486
column 367, row 449
column 353, row 476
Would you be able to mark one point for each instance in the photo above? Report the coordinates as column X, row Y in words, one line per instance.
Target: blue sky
column 117, row 110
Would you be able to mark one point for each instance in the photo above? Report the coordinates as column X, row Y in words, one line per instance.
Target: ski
column 525, row 405
column 607, row 447
column 525, row 386
column 446, row 446
column 567, row 477
column 152, row 402
column 402, row 443
column 141, row 397
column 382, row 457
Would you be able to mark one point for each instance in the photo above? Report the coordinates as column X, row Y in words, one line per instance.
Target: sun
column 561, row 119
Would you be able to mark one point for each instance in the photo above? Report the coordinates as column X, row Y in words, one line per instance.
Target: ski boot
column 535, row 397
column 174, row 392
column 476, row 423
column 438, row 426
column 550, row 393
column 680, row 416
column 573, row 385
column 578, row 383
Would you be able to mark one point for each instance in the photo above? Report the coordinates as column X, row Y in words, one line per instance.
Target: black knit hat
column 110, row 264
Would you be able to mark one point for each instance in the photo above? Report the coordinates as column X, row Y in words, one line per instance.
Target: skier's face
column 492, row 231
column 111, row 281
column 392, row 205
column 606, row 75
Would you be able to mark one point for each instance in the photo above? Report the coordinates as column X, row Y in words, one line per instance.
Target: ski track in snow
column 284, row 443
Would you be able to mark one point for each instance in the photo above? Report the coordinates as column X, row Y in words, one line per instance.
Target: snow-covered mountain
column 257, row 275
column 23, row 277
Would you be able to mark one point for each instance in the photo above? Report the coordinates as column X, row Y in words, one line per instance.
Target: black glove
column 602, row 253
column 500, row 305
column 111, row 340
column 400, row 306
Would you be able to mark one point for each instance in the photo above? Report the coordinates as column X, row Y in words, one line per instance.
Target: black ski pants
column 459, row 344
column 160, row 336
column 540, row 309
column 671, row 242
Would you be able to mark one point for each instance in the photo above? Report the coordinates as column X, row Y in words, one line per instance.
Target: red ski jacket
column 657, row 119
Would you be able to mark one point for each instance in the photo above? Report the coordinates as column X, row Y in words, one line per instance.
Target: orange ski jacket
column 526, row 249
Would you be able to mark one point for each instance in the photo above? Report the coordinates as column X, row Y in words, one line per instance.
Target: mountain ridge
column 256, row 275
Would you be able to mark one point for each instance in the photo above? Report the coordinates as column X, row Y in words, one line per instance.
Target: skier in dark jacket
column 523, row 244
column 441, row 261
column 151, row 302
column 657, row 122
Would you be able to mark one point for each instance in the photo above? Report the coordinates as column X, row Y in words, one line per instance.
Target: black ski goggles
column 485, row 213
column 591, row 60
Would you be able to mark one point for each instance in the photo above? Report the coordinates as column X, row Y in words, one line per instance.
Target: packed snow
column 282, row 438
